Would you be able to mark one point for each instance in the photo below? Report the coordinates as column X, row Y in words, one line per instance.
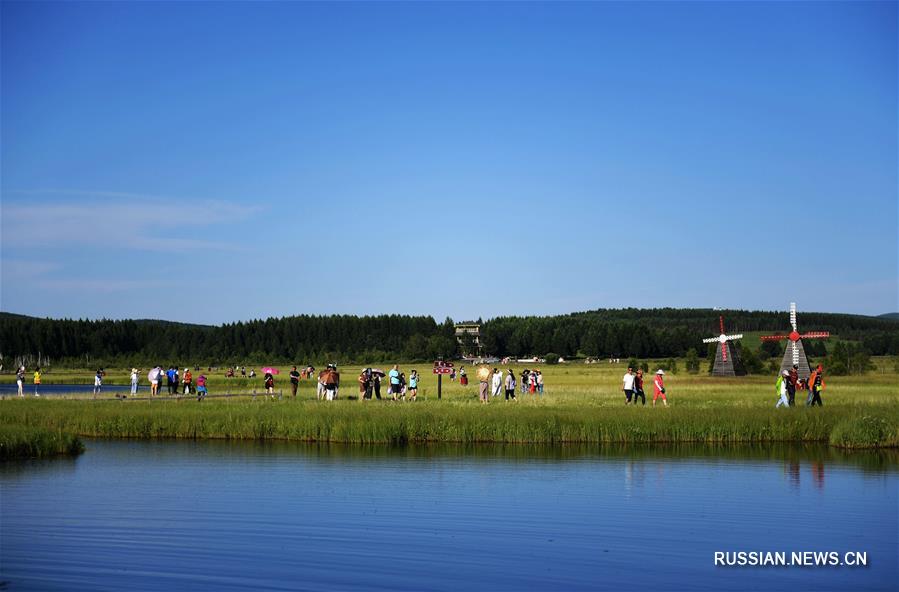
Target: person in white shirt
column 510, row 385
column 628, row 387
column 497, row 382
column 20, row 381
column 134, row 381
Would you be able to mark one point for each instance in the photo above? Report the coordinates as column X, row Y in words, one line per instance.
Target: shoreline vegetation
column 24, row 441
column 45, row 427
column 583, row 404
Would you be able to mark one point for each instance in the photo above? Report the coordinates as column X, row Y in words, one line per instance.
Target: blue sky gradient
column 211, row 162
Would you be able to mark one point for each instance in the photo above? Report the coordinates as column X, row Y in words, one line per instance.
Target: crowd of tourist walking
column 632, row 385
column 789, row 382
column 400, row 387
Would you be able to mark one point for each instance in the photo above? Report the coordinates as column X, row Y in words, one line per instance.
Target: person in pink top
column 659, row 384
column 201, row 388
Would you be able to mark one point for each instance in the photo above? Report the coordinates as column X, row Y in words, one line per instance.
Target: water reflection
column 219, row 515
column 792, row 469
column 818, row 474
column 791, row 455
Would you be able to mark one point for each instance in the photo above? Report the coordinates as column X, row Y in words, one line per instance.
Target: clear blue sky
column 211, row 162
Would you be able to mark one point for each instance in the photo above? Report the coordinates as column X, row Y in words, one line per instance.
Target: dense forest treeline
column 644, row 333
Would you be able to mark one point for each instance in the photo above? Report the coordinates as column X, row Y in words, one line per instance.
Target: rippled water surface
column 241, row 516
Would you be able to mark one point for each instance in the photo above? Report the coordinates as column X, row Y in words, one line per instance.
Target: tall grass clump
column 864, row 431
column 17, row 441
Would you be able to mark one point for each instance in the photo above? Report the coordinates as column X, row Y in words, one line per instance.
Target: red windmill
column 726, row 361
column 795, row 353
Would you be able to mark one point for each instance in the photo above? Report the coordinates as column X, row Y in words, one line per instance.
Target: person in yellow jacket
column 37, row 381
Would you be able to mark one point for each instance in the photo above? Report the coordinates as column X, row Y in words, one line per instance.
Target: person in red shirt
column 638, row 387
column 659, row 384
column 792, row 383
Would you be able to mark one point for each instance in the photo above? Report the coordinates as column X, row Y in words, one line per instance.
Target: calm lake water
column 10, row 390
column 244, row 516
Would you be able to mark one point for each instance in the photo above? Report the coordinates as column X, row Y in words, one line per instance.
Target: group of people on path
column 398, row 386
column 632, row 385
column 531, row 381
column 492, row 384
column 177, row 383
column 20, row 381
column 328, row 383
column 788, row 382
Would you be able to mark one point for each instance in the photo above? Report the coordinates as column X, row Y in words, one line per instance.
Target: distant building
column 468, row 335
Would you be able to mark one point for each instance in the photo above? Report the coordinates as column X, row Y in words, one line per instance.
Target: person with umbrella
column 483, row 387
column 269, row 382
column 331, row 378
column 153, row 377
column 320, row 387
column 376, row 375
column 268, row 379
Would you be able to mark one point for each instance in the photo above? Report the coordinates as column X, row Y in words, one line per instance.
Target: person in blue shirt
column 394, row 376
column 170, row 375
column 413, row 385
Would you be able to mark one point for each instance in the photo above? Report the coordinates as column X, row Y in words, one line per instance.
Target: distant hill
column 893, row 316
column 156, row 322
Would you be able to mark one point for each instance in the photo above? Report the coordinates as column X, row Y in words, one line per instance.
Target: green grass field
column 582, row 403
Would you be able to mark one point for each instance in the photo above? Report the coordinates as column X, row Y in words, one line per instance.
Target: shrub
column 692, row 361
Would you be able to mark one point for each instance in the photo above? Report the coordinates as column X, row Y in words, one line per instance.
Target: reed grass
column 847, row 425
column 582, row 403
column 29, row 441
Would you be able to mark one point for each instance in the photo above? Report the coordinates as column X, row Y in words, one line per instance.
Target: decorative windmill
column 795, row 353
column 726, row 361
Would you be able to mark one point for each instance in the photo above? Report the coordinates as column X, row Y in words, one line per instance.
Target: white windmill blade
column 795, row 353
column 733, row 337
column 793, row 315
column 710, row 340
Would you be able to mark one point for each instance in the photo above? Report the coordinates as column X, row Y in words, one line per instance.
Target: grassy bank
column 582, row 403
column 849, row 426
column 30, row 441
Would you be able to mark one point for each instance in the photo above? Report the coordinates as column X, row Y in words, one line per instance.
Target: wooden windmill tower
column 726, row 361
column 795, row 353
